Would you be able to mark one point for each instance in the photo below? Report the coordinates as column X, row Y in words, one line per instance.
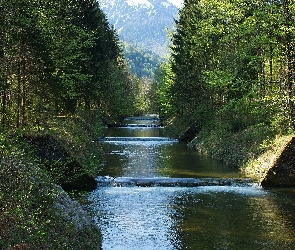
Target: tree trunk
column 87, row 105
column 18, row 94
column 271, row 68
column 290, row 63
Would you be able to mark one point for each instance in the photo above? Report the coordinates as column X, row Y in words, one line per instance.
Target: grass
column 234, row 149
column 258, row 167
column 36, row 213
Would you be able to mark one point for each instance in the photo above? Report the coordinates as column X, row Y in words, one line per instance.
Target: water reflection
column 231, row 218
column 180, row 161
column 191, row 218
column 133, row 159
column 156, row 158
column 134, row 218
column 164, row 218
column 134, row 132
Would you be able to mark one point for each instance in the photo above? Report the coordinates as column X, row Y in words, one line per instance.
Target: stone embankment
column 276, row 167
column 38, row 214
column 65, row 170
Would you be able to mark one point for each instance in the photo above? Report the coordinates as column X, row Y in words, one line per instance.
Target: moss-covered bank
column 258, row 150
column 234, row 148
column 35, row 212
column 276, row 166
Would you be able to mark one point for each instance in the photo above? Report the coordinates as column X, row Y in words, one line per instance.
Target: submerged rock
column 282, row 172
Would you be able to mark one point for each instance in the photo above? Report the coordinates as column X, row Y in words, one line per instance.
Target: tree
column 25, row 62
column 57, row 57
column 234, row 55
column 163, row 83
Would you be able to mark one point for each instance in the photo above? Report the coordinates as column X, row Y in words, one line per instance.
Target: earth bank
column 256, row 151
column 276, row 166
column 36, row 167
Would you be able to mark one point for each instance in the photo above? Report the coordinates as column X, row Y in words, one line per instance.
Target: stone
column 282, row 173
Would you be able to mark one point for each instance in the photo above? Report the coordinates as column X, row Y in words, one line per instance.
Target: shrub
column 31, row 215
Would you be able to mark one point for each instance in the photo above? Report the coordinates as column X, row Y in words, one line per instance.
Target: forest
column 229, row 78
column 59, row 57
column 63, row 76
column 142, row 63
column 231, row 74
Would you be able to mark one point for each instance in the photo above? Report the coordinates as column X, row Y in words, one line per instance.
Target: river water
column 158, row 194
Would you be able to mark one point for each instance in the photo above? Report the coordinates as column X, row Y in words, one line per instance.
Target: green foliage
column 120, row 92
column 32, row 214
column 163, row 82
column 78, row 135
column 233, row 71
column 56, row 58
column 142, row 63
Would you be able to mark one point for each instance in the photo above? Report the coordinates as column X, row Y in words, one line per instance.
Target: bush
column 31, row 216
column 234, row 149
column 35, row 213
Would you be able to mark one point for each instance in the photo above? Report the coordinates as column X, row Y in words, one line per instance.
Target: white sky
column 178, row 3
column 136, row 2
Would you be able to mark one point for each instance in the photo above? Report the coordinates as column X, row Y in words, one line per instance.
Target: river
column 156, row 193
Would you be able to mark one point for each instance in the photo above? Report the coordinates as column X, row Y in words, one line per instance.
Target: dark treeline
column 57, row 57
column 232, row 67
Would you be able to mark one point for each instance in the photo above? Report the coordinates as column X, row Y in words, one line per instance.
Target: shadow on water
column 157, row 216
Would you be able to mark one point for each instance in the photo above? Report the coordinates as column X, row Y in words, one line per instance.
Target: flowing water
column 155, row 193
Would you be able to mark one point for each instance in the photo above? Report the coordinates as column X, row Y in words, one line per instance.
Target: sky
column 178, row 3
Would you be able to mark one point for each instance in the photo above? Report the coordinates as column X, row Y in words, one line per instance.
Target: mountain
column 143, row 22
column 143, row 63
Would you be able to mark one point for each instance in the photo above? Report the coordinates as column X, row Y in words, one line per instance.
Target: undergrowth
column 34, row 212
column 29, row 216
column 79, row 135
column 234, row 148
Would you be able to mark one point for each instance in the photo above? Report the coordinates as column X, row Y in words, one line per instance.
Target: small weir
column 135, row 126
column 154, row 193
column 172, row 182
column 152, row 118
column 114, row 139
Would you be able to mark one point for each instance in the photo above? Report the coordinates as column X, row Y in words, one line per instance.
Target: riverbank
column 276, row 166
column 36, row 212
column 232, row 148
column 258, row 151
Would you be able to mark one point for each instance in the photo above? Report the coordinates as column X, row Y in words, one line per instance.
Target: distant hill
column 143, row 63
column 142, row 22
